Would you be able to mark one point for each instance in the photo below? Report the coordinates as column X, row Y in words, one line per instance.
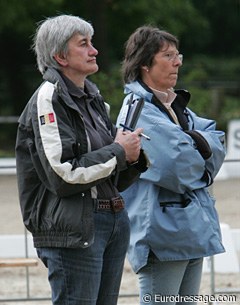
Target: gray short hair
column 52, row 36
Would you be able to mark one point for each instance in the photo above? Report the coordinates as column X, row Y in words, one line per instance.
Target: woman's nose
column 93, row 50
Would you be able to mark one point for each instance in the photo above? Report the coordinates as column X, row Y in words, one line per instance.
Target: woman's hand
column 131, row 142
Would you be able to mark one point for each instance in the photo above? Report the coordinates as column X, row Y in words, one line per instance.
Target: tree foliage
column 208, row 32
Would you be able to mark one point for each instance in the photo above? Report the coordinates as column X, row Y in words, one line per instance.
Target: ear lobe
column 145, row 68
column 60, row 59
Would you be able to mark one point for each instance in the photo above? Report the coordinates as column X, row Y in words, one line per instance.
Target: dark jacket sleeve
column 49, row 142
column 133, row 172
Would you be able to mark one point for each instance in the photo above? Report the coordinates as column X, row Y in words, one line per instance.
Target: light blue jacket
column 170, row 208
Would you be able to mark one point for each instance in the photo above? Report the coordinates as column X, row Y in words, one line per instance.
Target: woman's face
column 163, row 72
column 80, row 60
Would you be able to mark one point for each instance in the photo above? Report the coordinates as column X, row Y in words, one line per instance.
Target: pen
column 131, row 129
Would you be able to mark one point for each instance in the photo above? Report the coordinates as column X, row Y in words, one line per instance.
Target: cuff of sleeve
column 207, row 178
column 142, row 164
column 121, row 156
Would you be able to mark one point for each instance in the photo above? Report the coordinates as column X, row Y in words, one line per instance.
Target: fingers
column 138, row 131
column 131, row 142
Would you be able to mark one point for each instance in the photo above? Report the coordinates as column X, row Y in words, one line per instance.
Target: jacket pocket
column 173, row 204
column 185, row 231
column 74, row 217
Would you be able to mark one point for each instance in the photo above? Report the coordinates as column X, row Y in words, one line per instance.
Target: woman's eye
column 168, row 55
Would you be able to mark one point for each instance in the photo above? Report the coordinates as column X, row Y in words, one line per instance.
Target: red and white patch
column 47, row 118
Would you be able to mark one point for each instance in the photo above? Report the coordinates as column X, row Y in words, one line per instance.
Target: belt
column 115, row 204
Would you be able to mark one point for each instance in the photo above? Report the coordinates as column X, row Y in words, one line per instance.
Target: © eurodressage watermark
column 158, row 298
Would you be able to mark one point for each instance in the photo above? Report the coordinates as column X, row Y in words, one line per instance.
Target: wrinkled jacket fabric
column 170, row 208
column 56, row 169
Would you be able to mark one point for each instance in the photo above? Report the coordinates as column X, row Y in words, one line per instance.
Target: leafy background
column 208, row 31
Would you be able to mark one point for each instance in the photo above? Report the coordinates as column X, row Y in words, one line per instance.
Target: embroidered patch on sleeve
column 47, row 118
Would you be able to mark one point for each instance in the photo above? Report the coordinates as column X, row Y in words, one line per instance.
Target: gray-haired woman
column 68, row 153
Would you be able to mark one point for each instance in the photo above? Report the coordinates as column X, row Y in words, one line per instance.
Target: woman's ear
column 61, row 59
column 145, row 68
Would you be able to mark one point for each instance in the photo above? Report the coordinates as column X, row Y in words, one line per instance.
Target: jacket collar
column 139, row 88
column 65, row 91
column 179, row 104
